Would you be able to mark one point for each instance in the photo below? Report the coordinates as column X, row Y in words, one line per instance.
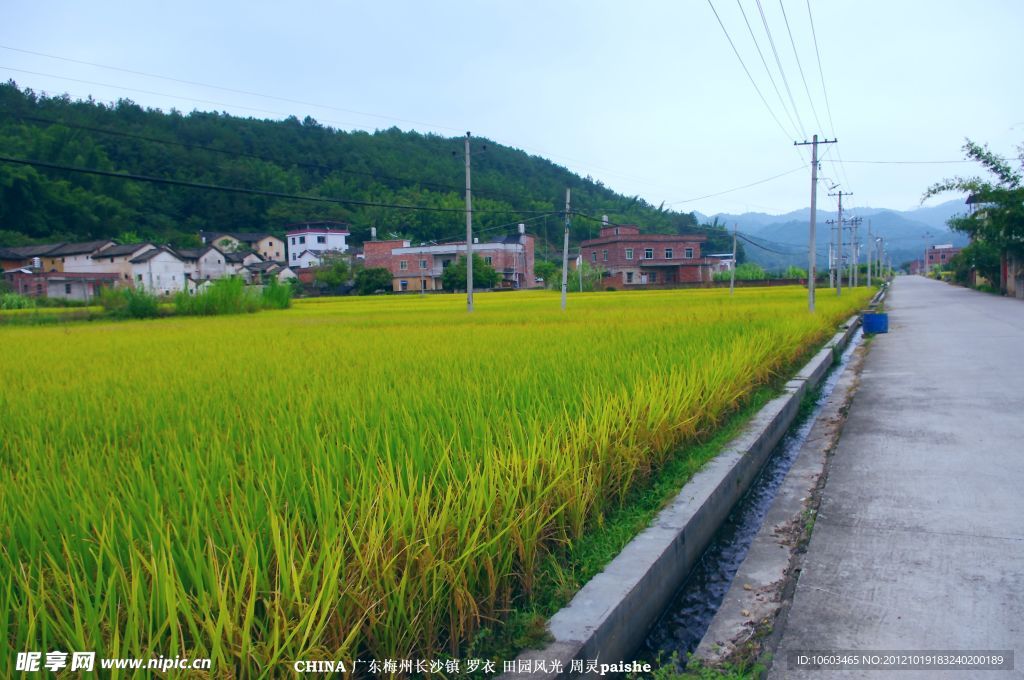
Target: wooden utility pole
column 871, row 245
column 565, row 250
column 812, row 256
column 855, row 250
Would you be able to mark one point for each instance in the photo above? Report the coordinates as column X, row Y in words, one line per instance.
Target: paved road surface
column 919, row 541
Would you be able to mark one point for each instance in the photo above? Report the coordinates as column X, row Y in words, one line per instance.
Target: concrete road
column 919, row 541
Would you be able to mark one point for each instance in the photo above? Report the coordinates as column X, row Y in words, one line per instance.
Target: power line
column 782, row 71
column 252, row 192
column 765, row 62
column 745, row 186
column 242, row 154
column 225, row 89
column 581, row 164
column 796, row 55
column 747, row 71
column 821, row 72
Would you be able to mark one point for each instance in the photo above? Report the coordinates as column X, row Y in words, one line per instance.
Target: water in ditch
column 687, row 617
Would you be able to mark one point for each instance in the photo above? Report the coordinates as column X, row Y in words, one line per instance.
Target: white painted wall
column 162, row 274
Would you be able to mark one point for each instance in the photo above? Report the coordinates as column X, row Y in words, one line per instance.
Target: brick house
column 940, row 255
column 419, row 268
column 631, row 259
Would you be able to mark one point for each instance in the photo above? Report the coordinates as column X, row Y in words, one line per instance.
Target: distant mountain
column 777, row 241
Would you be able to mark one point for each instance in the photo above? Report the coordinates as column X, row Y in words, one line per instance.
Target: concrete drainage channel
column 686, row 620
column 609, row 618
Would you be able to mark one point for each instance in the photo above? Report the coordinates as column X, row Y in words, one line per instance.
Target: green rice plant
column 374, row 476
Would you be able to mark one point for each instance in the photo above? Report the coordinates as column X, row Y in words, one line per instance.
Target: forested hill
column 388, row 167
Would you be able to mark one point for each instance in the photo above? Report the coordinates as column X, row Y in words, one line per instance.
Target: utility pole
column 831, row 262
column 469, row 235
column 812, row 255
column 871, row 244
column 855, row 247
column 565, row 251
column 732, row 272
column 839, row 254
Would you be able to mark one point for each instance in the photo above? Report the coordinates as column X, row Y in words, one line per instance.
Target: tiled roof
column 78, row 248
column 120, row 251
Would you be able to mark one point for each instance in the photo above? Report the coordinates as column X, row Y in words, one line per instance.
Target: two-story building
column 267, row 246
column 420, row 268
column 631, row 259
column 159, row 271
column 311, row 243
column 940, row 255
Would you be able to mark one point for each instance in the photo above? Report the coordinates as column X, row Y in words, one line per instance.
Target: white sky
column 646, row 96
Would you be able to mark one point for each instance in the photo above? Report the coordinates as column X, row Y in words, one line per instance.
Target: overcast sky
column 646, row 96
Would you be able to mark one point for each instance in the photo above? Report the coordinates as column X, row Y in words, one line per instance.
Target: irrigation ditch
column 661, row 592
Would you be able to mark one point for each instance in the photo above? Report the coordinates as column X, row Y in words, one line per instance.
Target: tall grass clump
column 224, row 296
column 15, row 301
column 384, row 503
column 276, row 295
column 129, row 303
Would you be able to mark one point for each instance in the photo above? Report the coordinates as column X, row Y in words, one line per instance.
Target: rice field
column 373, row 476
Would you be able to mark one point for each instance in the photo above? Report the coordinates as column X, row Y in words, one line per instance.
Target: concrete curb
column 609, row 617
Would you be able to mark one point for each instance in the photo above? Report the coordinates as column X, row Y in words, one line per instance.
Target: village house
column 419, row 268
column 267, row 246
column 940, row 255
column 629, row 258
column 311, row 243
column 112, row 260
column 262, row 272
column 206, row 264
column 159, row 271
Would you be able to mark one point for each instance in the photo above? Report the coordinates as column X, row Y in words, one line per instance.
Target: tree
column 372, row 279
column 484, row 275
column 545, row 269
column 334, row 274
column 999, row 218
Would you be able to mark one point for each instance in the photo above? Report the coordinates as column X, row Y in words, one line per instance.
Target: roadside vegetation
column 251, row 496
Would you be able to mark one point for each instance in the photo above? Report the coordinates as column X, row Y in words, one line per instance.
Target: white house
column 311, row 242
column 159, row 271
column 76, row 257
column 112, row 260
column 206, row 264
column 238, row 263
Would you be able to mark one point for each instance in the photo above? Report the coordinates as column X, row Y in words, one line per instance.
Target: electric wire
column 782, row 71
column 799, row 66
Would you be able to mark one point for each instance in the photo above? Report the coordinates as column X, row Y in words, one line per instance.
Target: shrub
column 277, row 295
column 15, row 301
column 129, row 303
column 223, row 296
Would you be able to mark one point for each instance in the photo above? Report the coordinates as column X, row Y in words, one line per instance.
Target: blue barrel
column 876, row 323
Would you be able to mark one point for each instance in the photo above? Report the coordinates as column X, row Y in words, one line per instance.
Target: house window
column 653, row 277
column 138, row 277
column 111, row 259
column 488, row 260
column 423, row 264
column 293, row 240
column 629, row 253
column 668, row 253
column 604, row 255
column 648, row 253
column 404, row 284
column 302, row 239
column 294, row 256
column 593, row 256
column 321, row 239
column 616, row 231
column 277, row 253
column 403, row 265
column 688, row 253
column 629, row 277
column 67, row 289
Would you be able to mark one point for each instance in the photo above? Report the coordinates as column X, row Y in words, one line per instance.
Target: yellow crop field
column 372, row 476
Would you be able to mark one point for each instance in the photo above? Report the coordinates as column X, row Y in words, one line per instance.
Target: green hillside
column 296, row 157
